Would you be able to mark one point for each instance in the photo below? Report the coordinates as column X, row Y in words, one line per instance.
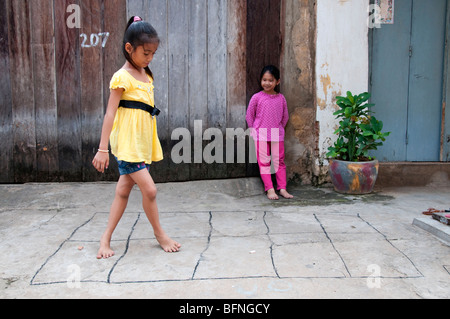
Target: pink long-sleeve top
column 267, row 116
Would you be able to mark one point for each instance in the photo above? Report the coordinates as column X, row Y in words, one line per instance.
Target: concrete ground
column 236, row 243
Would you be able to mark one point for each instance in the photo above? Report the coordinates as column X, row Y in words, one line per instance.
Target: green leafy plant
column 359, row 131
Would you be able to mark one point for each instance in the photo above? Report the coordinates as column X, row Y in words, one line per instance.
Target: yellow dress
column 134, row 136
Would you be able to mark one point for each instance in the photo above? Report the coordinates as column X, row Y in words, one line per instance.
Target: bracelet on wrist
column 103, row 151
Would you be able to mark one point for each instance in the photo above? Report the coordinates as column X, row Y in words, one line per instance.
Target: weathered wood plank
column 198, row 63
column 273, row 42
column 46, row 113
column 157, row 17
column 198, row 82
column 114, row 22
column 23, row 112
column 236, row 63
column 138, row 8
column 217, row 79
column 6, row 138
column 91, row 83
column 42, row 31
column 178, row 47
column 236, row 89
column 44, row 90
column 67, row 42
column 217, row 63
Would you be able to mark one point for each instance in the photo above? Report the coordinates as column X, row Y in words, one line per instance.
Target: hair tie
column 136, row 19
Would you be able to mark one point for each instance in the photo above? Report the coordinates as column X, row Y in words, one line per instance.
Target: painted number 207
column 94, row 40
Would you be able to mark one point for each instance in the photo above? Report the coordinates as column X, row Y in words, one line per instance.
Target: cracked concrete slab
column 240, row 246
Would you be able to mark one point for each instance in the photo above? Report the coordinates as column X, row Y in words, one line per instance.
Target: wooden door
column 263, row 39
column 407, row 64
column 263, row 47
column 55, row 86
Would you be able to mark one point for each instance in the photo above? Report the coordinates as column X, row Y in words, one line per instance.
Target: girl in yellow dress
column 130, row 126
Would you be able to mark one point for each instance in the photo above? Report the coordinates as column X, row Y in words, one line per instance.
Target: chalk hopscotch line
column 256, row 244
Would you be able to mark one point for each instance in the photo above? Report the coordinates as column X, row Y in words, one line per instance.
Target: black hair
column 138, row 33
column 272, row 69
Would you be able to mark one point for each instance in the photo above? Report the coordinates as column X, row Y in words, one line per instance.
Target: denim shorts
column 126, row 168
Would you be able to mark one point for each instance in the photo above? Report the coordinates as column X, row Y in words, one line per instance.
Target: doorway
column 263, row 40
column 407, row 81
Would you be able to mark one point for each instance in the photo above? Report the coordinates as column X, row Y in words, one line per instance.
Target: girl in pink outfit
column 267, row 116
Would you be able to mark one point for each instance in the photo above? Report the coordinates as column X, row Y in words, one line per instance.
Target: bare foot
column 285, row 194
column 272, row 195
column 167, row 244
column 105, row 250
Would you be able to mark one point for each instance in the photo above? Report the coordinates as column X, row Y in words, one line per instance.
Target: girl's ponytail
column 131, row 21
column 138, row 33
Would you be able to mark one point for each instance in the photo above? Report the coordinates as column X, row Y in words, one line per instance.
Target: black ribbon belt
column 153, row 110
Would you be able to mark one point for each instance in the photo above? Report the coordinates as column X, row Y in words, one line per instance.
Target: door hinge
column 410, row 51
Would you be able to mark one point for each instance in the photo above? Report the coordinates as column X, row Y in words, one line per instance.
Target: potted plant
column 352, row 170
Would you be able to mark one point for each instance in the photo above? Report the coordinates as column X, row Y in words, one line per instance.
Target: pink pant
column 263, row 152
